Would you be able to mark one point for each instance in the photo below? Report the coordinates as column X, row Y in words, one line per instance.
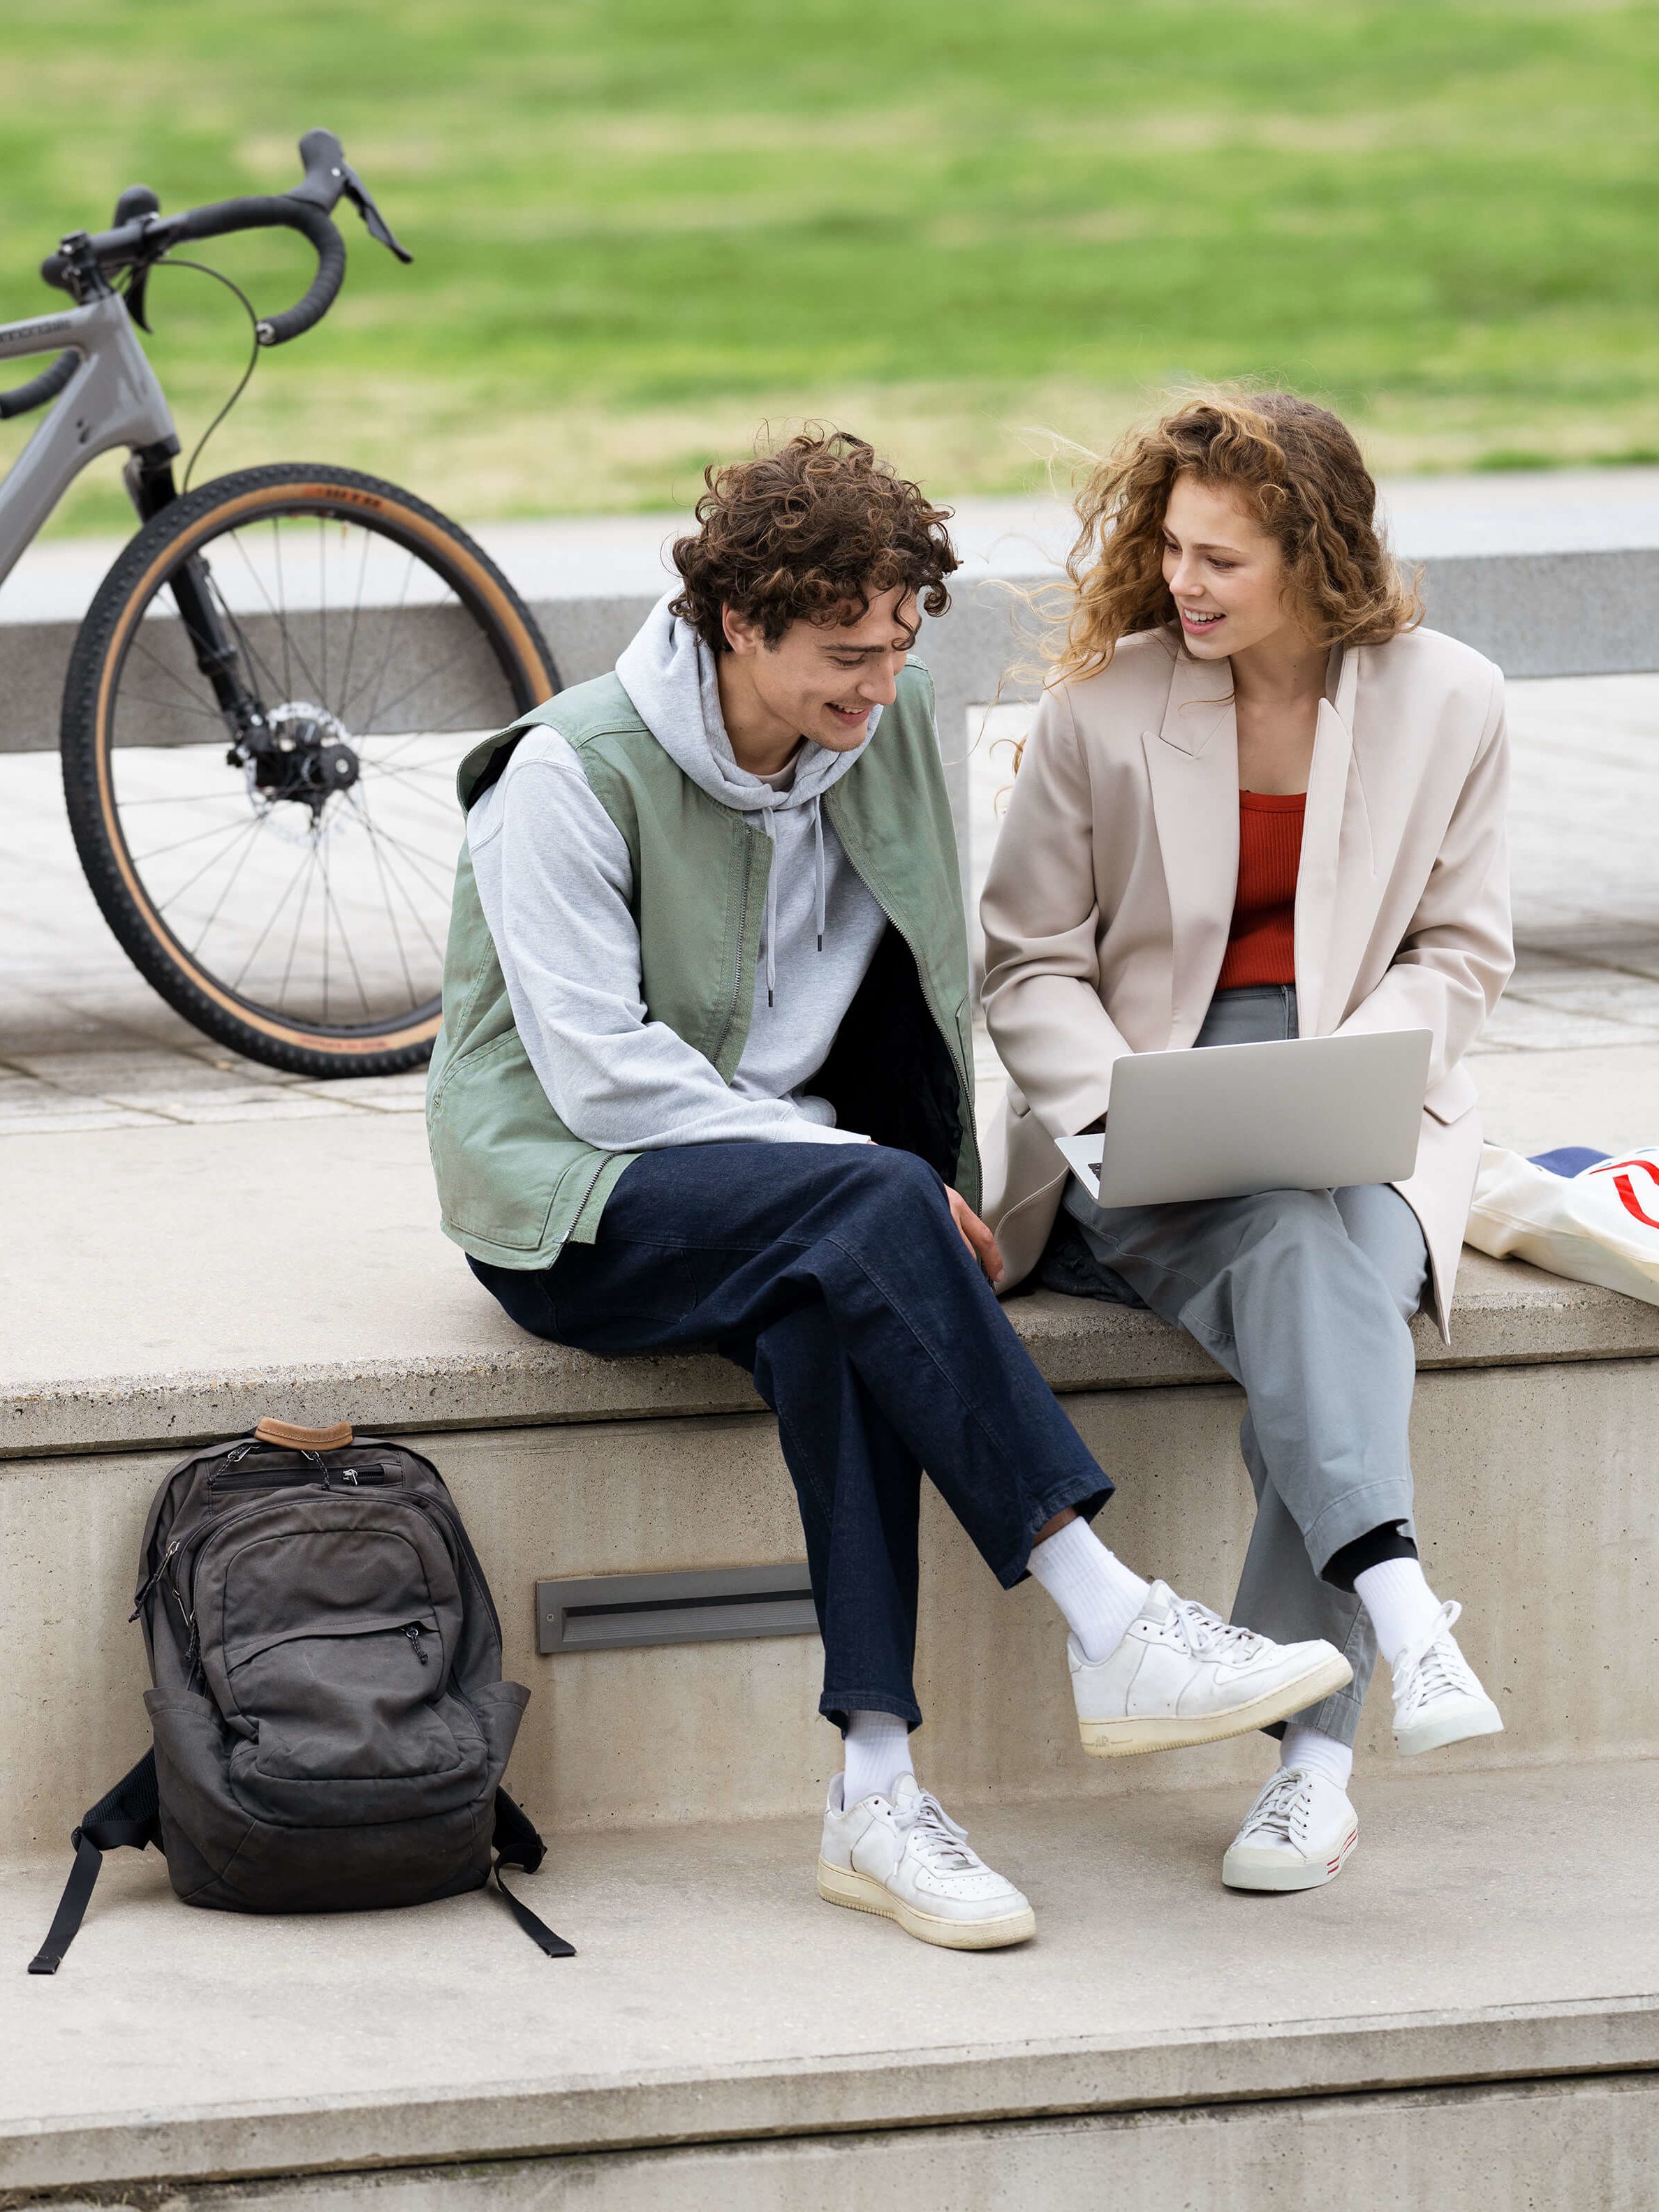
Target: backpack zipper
column 150, row 1581
column 438, row 1509
column 372, row 1472
column 435, row 1508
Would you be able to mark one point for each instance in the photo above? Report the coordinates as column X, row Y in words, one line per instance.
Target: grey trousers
column 1306, row 1297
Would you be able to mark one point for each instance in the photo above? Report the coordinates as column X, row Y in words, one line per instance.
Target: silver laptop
column 1301, row 1114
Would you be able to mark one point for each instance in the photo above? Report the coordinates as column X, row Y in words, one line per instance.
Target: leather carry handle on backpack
column 329, row 1723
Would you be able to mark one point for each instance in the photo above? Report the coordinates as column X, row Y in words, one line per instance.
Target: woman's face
column 1225, row 575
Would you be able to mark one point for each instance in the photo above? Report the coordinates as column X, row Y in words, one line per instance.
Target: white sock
column 1307, row 1746
column 1091, row 1586
column 878, row 1752
column 1402, row 1606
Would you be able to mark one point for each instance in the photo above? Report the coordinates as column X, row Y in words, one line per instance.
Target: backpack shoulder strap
column 518, row 1844
column 130, row 1815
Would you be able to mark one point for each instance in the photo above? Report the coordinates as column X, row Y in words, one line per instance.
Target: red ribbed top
column 1262, row 943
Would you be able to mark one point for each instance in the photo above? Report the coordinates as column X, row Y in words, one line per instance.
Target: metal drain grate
column 709, row 1604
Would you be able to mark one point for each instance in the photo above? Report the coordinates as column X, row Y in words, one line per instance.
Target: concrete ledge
column 882, row 2089
column 1581, row 2140
column 324, row 2054
column 1566, row 611
column 1508, row 1314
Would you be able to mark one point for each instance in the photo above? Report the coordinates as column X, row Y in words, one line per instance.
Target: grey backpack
column 329, row 1723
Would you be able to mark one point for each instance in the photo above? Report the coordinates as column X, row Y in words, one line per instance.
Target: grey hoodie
column 555, row 880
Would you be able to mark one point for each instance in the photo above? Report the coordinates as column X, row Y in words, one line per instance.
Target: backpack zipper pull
column 413, row 1635
column 149, row 1584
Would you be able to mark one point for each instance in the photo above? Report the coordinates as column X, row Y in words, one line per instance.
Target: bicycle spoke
column 413, row 857
column 386, row 657
column 280, row 617
column 228, row 790
column 351, row 957
column 173, row 676
column 270, row 920
column 172, row 707
column 327, row 905
column 356, row 612
column 382, row 842
column 155, row 852
column 322, row 606
column 281, row 602
column 249, row 651
column 161, row 905
column 298, row 922
column 427, row 676
column 386, row 895
column 445, row 805
column 218, row 904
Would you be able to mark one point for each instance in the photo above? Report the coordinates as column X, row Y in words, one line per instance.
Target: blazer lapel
column 1192, row 760
column 1322, row 840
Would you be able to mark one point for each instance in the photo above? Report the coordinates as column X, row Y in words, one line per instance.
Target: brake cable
column 167, row 261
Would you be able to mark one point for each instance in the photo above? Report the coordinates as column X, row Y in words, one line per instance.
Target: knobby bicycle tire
column 231, row 1016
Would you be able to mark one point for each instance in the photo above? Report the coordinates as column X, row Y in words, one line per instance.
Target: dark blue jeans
column 835, row 1275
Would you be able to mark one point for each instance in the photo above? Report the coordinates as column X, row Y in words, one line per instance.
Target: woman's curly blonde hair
column 1297, row 470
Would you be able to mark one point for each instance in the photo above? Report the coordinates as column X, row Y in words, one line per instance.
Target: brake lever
column 137, row 296
column 354, row 189
column 138, row 201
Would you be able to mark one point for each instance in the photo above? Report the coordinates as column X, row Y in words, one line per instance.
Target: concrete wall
column 1539, row 1497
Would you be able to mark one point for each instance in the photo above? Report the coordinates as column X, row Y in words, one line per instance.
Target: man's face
column 820, row 681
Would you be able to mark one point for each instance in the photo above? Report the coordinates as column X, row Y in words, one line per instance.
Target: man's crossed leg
column 838, row 1277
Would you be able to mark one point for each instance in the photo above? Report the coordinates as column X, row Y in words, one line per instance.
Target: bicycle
column 271, row 689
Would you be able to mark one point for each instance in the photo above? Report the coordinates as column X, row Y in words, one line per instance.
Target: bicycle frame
column 113, row 399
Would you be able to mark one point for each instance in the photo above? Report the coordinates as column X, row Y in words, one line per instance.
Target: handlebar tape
column 22, row 398
column 259, row 213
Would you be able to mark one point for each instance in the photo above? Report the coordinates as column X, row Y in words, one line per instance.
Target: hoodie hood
column 669, row 674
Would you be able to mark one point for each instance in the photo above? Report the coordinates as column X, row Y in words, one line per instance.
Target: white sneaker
column 1437, row 1698
column 1183, row 1675
column 1299, row 1834
column 905, row 1858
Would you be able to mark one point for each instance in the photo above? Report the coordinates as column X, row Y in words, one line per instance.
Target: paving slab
column 1471, row 1940
column 1608, row 1097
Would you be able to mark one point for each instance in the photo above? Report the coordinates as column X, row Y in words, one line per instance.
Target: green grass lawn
column 641, row 226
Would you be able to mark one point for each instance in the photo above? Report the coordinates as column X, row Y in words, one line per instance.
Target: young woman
column 1258, row 802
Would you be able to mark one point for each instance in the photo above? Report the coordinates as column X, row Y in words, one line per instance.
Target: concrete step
column 1466, row 2018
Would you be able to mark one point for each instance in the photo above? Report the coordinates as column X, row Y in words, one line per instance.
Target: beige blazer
column 1110, row 895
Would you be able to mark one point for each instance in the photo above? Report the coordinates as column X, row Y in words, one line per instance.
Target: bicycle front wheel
column 283, row 874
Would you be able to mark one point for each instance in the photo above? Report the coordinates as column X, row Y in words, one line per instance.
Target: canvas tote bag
column 1587, row 1215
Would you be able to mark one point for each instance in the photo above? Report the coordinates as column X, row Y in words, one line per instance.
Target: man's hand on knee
column 975, row 1235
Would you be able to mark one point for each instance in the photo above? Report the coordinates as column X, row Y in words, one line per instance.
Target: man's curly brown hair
column 811, row 533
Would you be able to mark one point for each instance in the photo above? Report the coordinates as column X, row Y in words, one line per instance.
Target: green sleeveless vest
column 514, row 1184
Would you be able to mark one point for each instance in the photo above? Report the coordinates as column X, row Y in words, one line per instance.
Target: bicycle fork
column 149, row 478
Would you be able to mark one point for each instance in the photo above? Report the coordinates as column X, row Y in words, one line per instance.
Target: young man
column 705, row 1076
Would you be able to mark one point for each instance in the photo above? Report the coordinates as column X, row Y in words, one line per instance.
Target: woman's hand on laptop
column 974, row 1235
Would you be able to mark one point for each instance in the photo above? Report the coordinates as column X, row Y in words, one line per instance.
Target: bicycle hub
column 301, row 754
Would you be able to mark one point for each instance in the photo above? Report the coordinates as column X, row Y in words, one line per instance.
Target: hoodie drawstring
column 772, row 893
column 771, row 913
column 817, row 840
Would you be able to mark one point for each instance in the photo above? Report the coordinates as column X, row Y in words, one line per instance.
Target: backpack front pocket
column 328, row 1650
column 350, row 1704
